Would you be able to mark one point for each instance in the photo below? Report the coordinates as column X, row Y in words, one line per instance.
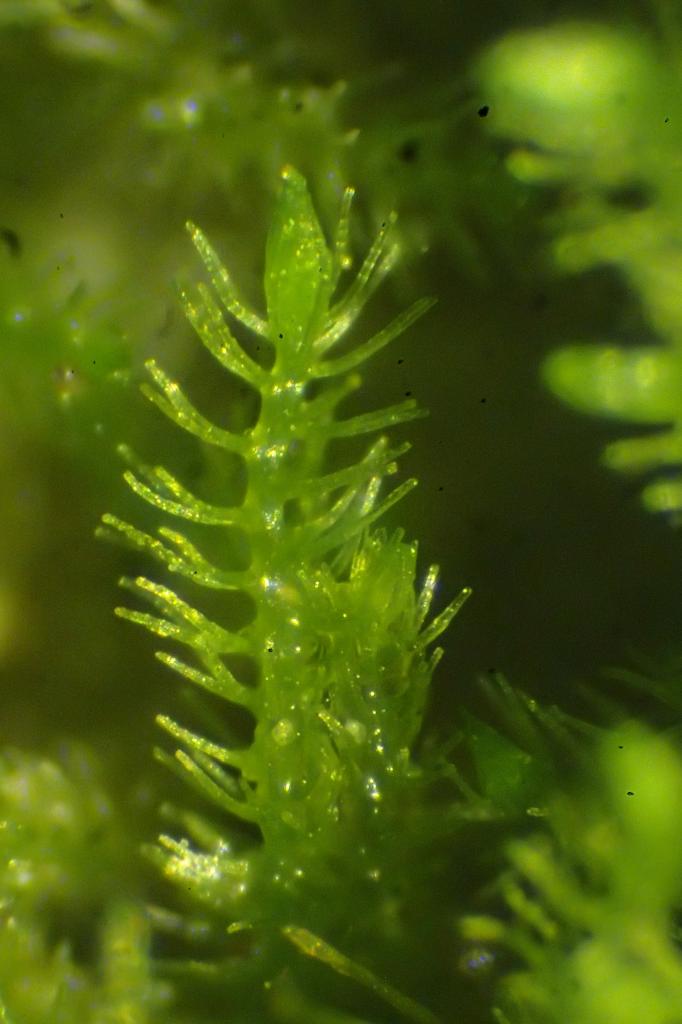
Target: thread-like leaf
column 223, row 284
column 232, row 758
column 221, row 683
column 342, row 364
column 207, row 319
column 313, row 946
column 346, row 530
column 368, row 422
column 442, row 621
column 171, row 401
column 216, row 793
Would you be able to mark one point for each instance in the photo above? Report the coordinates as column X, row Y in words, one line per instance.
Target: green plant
column 591, row 110
column 591, row 902
column 60, row 846
column 333, row 666
column 337, row 862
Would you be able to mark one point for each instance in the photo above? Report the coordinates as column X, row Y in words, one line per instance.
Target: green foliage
column 319, row 875
column 60, row 846
column 49, row 818
column 593, row 899
column 334, row 665
column 42, row 982
column 594, row 109
column 640, row 385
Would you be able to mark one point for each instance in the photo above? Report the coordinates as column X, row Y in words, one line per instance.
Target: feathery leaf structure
column 339, row 637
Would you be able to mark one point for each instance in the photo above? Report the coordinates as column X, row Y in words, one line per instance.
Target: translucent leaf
column 298, row 268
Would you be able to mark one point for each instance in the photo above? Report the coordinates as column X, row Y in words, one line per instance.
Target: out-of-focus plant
column 60, row 846
column 593, row 899
column 594, row 112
